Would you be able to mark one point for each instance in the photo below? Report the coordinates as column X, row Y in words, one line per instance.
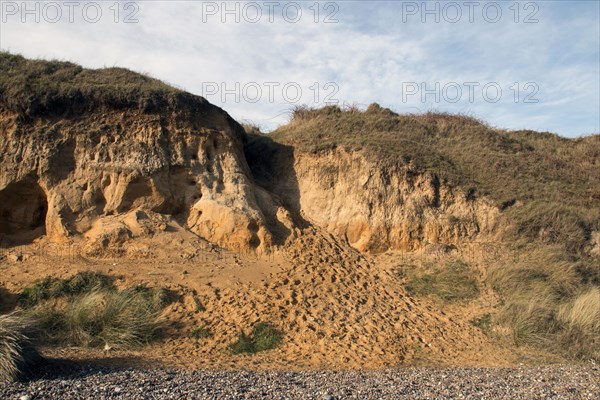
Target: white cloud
column 369, row 54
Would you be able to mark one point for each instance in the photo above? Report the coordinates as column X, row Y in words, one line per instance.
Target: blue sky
column 545, row 60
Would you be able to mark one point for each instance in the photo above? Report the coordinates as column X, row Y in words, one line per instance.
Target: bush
column 264, row 337
column 17, row 354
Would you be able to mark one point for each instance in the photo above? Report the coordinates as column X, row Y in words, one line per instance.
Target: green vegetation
column 85, row 310
column 483, row 322
column 156, row 296
column 452, row 282
column 88, row 310
column 17, row 354
column 552, row 301
column 101, row 317
column 51, row 288
column 243, row 344
column 37, row 87
column 200, row 333
column 199, row 306
column 264, row 337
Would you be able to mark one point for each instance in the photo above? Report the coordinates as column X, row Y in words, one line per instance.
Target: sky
column 515, row 64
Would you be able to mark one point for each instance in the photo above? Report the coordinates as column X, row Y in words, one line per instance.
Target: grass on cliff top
column 522, row 165
column 38, row 87
column 556, row 179
column 547, row 186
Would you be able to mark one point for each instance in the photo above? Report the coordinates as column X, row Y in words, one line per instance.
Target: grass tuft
column 200, row 333
column 452, row 282
column 199, row 306
column 103, row 318
column 264, row 337
column 88, row 310
column 483, row 322
column 17, row 354
column 51, row 288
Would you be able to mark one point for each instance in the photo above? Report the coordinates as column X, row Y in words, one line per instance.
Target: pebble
column 76, row 382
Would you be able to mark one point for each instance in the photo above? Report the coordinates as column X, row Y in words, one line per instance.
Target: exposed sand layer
column 337, row 308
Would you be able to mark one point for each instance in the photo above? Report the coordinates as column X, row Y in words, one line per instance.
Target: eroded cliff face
column 63, row 176
column 377, row 207
column 89, row 175
column 109, row 155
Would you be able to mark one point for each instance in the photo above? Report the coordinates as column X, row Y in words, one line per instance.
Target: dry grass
column 551, row 301
column 17, row 354
column 41, row 88
column 580, row 322
column 451, row 282
column 88, row 310
column 101, row 318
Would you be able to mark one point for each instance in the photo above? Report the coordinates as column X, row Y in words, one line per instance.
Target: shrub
column 17, row 354
column 264, row 337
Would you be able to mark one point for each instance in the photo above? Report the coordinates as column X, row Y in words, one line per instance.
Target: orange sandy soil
column 338, row 308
